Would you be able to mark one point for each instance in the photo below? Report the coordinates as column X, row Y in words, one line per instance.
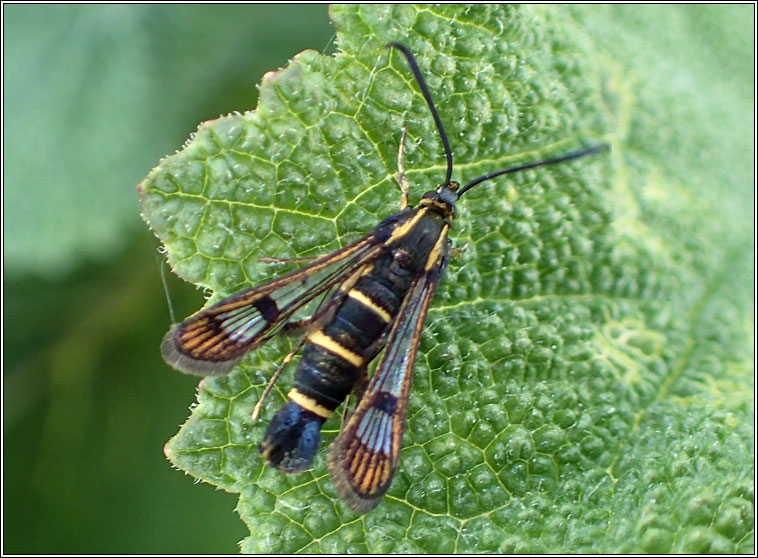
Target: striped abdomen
column 335, row 357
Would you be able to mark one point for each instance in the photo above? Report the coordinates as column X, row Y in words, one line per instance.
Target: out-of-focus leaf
column 94, row 94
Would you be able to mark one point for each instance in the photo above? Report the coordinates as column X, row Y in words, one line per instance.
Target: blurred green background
column 94, row 97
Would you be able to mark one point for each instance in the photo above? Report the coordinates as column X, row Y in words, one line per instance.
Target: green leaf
column 585, row 378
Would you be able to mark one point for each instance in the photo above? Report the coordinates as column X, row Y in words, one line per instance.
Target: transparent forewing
column 215, row 339
column 363, row 458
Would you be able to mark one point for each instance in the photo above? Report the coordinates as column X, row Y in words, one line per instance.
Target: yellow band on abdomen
column 368, row 303
column 309, row 404
column 322, row 340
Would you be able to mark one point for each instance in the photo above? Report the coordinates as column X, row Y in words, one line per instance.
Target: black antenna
column 425, row 92
column 567, row 157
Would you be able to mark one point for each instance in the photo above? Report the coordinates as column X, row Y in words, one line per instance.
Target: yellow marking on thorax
column 436, row 252
column 309, row 404
column 323, row 340
column 403, row 229
column 441, row 206
column 373, row 306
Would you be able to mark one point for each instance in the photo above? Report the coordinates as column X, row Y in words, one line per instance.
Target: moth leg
column 259, row 405
column 402, row 180
column 458, row 252
column 343, row 418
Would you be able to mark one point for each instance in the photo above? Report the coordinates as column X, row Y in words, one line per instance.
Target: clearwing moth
column 377, row 292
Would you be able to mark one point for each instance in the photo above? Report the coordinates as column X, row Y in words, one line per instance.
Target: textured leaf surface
column 585, row 379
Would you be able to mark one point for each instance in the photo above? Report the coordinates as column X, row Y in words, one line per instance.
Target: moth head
column 442, row 199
